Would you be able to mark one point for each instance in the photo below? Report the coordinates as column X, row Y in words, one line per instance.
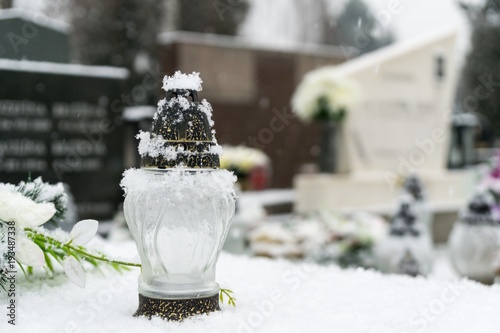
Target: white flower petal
column 34, row 214
column 28, row 253
column 340, row 92
column 84, row 231
column 23, row 211
column 74, row 271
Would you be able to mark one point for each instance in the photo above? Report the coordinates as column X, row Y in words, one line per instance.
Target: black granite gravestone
column 58, row 121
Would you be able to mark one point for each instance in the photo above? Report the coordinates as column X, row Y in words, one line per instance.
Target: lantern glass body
column 474, row 250
column 179, row 221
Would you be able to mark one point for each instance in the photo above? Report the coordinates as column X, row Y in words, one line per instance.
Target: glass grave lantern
column 474, row 240
column 407, row 248
column 179, row 205
column 413, row 185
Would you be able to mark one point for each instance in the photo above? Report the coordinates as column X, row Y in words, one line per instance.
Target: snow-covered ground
column 272, row 296
column 442, row 267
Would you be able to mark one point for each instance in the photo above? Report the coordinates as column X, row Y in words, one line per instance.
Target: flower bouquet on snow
column 26, row 244
column 346, row 239
column 325, row 96
column 324, row 237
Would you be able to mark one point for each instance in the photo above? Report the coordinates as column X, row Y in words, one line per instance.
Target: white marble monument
column 401, row 125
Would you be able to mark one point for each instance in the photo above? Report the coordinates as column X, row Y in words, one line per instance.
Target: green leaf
column 231, row 300
column 60, row 250
column 48, row 262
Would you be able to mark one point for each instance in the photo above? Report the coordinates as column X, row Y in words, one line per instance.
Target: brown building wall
column 250, row 88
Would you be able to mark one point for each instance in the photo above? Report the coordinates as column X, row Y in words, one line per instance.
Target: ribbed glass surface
column 179, row 221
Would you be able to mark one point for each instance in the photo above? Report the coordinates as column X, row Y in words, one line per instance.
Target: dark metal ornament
column 414, row 186
column 176, row 309
column 187, row 131
column 404, row 222
column 478, row 211
column 409, row 265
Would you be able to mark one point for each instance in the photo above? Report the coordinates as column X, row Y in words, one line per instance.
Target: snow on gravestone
column 61, row 122
column 400, row 125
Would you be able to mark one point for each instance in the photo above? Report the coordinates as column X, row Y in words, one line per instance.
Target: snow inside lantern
column 179, row 205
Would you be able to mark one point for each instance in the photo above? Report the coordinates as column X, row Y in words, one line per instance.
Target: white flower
column 339, row 92
column 25, row 213
column 244, row 158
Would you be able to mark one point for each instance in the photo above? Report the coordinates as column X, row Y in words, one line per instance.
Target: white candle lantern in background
column 413, row 185
column 179, row 205
column 407, row 248
column 475, row 240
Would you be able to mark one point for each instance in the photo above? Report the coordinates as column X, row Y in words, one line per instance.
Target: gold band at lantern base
column 176, row 309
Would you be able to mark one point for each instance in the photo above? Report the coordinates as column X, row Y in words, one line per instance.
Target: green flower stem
column 230, row 299
column 42, row 240
column 35, row 235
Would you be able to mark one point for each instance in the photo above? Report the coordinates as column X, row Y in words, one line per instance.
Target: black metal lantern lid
column 182, row 133
column 413, row 185
column 478, row 210
column 404, row 221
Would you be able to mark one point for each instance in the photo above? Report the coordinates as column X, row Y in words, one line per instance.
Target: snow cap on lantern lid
column 182, row 134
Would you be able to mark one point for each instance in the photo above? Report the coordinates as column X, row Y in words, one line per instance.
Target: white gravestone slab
column 402, row 124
